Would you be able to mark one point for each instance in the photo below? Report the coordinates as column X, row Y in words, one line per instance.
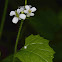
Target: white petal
column 12, row 13
column 22, row 16
column 25, row 11
column 30, row 6
column 22, row 9
column 31, row 14
column 33, row 9
column 18, row 11
column 28, row 15
column 15, row 20
column 27, row 7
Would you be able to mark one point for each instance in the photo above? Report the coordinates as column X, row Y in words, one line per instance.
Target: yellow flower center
column 29, row 11
column 22, row 12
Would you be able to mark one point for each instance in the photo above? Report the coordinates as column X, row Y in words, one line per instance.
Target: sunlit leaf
column 36, row 49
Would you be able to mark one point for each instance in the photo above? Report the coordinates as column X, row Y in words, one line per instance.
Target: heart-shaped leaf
column 36, row 49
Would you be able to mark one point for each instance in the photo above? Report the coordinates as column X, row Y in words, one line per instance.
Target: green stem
column 25, row 2
column 15, row 51
column 3, row 18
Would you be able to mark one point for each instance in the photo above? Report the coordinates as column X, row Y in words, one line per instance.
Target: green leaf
column 36, row 49
column 10, row 59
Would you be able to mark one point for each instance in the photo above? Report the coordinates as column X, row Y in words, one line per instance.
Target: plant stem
column 25, row 2
column 3, row 18
column 15, row 51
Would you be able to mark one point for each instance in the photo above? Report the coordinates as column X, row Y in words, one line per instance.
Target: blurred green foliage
column 47, row 22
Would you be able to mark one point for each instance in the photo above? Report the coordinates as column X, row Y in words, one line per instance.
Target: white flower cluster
column 22, row 13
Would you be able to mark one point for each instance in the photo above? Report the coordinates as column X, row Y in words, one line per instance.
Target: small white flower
column 25, row 47
column 29, row 10
column 22, row 16
column 22, row 12
column 17, row 15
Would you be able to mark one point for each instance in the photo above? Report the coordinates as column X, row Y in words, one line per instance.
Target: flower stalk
column 15, row 51
column 21, row 14
column 25, row 2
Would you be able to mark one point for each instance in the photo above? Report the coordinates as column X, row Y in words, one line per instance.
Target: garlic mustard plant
column 22, row 13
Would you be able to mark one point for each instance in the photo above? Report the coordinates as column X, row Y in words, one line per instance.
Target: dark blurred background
column 47, row 22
